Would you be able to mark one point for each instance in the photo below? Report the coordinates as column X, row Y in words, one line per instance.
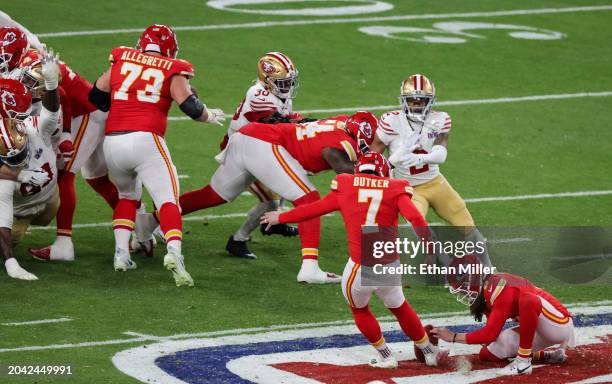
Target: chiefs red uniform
column 502, row 292
column 140, row 90
column 77, row 89
column 304, row 142
column 362, row 199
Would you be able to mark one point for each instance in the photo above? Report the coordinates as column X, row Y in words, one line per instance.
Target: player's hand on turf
column 215, row 116
column 443, row 334
column 270, row 218
column 50, row 69
column 14, row 270
column 36, row 177
column 66, row 148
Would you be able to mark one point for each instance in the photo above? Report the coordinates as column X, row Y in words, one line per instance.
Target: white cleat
column 143, row 239
column 61, row 250
column 388, row 363
column 14, row 270
column 519, row 366
column 434, row 355
column 176, row 265
column 122, row 261
column 317, row 277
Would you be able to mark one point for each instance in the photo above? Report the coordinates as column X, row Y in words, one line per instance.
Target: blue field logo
column 338, row 354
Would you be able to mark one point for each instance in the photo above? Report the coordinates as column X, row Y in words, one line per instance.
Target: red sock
column 367, row 324
column 170, row 222
column 529, row 310
column 310, row 230
column 106, row 189
column 65, row 212
column 410, row 323
column 124, row 216
column 486, row 355
column 202, row 198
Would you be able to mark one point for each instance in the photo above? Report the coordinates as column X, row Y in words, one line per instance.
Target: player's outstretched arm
column 338, row 160
column 304, row 212
column 190, row 104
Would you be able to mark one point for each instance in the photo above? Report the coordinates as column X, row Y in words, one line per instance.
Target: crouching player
column 26, row 143
column 543, row 321
column 370, row 197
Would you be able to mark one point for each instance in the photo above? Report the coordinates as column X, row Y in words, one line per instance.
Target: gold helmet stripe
column 283, row 59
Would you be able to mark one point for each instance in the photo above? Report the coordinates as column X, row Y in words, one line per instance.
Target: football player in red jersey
column 85, row 126
column 370, row 198
column 13, row 46
column 542, row 320
column 281, row 156
column 138, row 90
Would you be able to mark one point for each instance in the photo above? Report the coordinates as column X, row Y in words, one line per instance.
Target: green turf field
column 550, row 145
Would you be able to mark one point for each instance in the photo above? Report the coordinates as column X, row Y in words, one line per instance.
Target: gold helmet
column 13, row 144
column 278, row 74
column 31, row 74
column 417, row 96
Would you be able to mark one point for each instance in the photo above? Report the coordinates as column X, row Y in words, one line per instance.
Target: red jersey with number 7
column 364, row 200
column 140, row 90
column 306, row 141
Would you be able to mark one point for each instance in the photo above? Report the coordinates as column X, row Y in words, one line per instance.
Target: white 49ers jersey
column 258, row 103
column 21, row 200
column 397, row 132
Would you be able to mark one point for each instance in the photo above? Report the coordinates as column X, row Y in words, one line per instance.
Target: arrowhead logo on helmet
column 8, row 98
column 9, row 39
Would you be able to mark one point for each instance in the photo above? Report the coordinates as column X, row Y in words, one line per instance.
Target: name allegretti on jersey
column 401, row 136
column 23, row 200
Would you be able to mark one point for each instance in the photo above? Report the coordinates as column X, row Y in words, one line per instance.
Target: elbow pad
column 192, row 107
column 437, row 155
column 100, row 99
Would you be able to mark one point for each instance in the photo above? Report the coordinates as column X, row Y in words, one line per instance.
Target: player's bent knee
column 393, row 298
column 486, row 355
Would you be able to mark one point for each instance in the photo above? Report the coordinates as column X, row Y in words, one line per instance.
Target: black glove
column 307, row 120
column 275, row 118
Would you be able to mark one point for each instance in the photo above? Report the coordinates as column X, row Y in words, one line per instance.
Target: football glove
column 306, row 120
column 35, row 177
column 215, row 116
column 66, row 148
column 275, row 118
column 50, row 69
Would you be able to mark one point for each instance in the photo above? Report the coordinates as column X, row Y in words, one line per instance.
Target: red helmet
column 373, row 162
column 13, row 45
column 362, row 126
column 15, row 100
column 466, row 282
column 159, row 38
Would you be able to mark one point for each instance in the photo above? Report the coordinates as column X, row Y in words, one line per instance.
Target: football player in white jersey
column 26, row 143
column 416, row 137
column 269, row 100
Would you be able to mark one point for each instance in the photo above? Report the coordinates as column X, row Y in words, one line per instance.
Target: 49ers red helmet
column 159, row 38
column 373, row 162
column 13, row 46
column 15, row 100
column 362, row 126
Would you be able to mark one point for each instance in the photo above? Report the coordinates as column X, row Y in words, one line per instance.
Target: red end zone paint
column 583, row 362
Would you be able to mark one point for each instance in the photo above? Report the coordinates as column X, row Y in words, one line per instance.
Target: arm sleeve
column 308, row 211
column 410, row 212
column 49, row 122
column 495, row 323
column 436, row 156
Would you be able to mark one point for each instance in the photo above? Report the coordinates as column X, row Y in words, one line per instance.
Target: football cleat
column 61, row 250
column 175, row 264
column 14, row 270
column 122, row 261
column 418, row 352
column 311, row 273
column 239, row 249
column 279, row 229
column 384, row 363
column 145, row 247
column 519, row 366
column 434, row 355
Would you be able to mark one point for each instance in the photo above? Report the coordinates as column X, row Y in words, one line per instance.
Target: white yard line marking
column 183, row 176
column 499, row 100
column 470, row 200
column 291, row 23
column 582, row 308
column 35, row 322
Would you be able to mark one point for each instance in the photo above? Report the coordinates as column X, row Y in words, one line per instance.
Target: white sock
column 122, row 238
column 252, row 221
column 174, row 246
